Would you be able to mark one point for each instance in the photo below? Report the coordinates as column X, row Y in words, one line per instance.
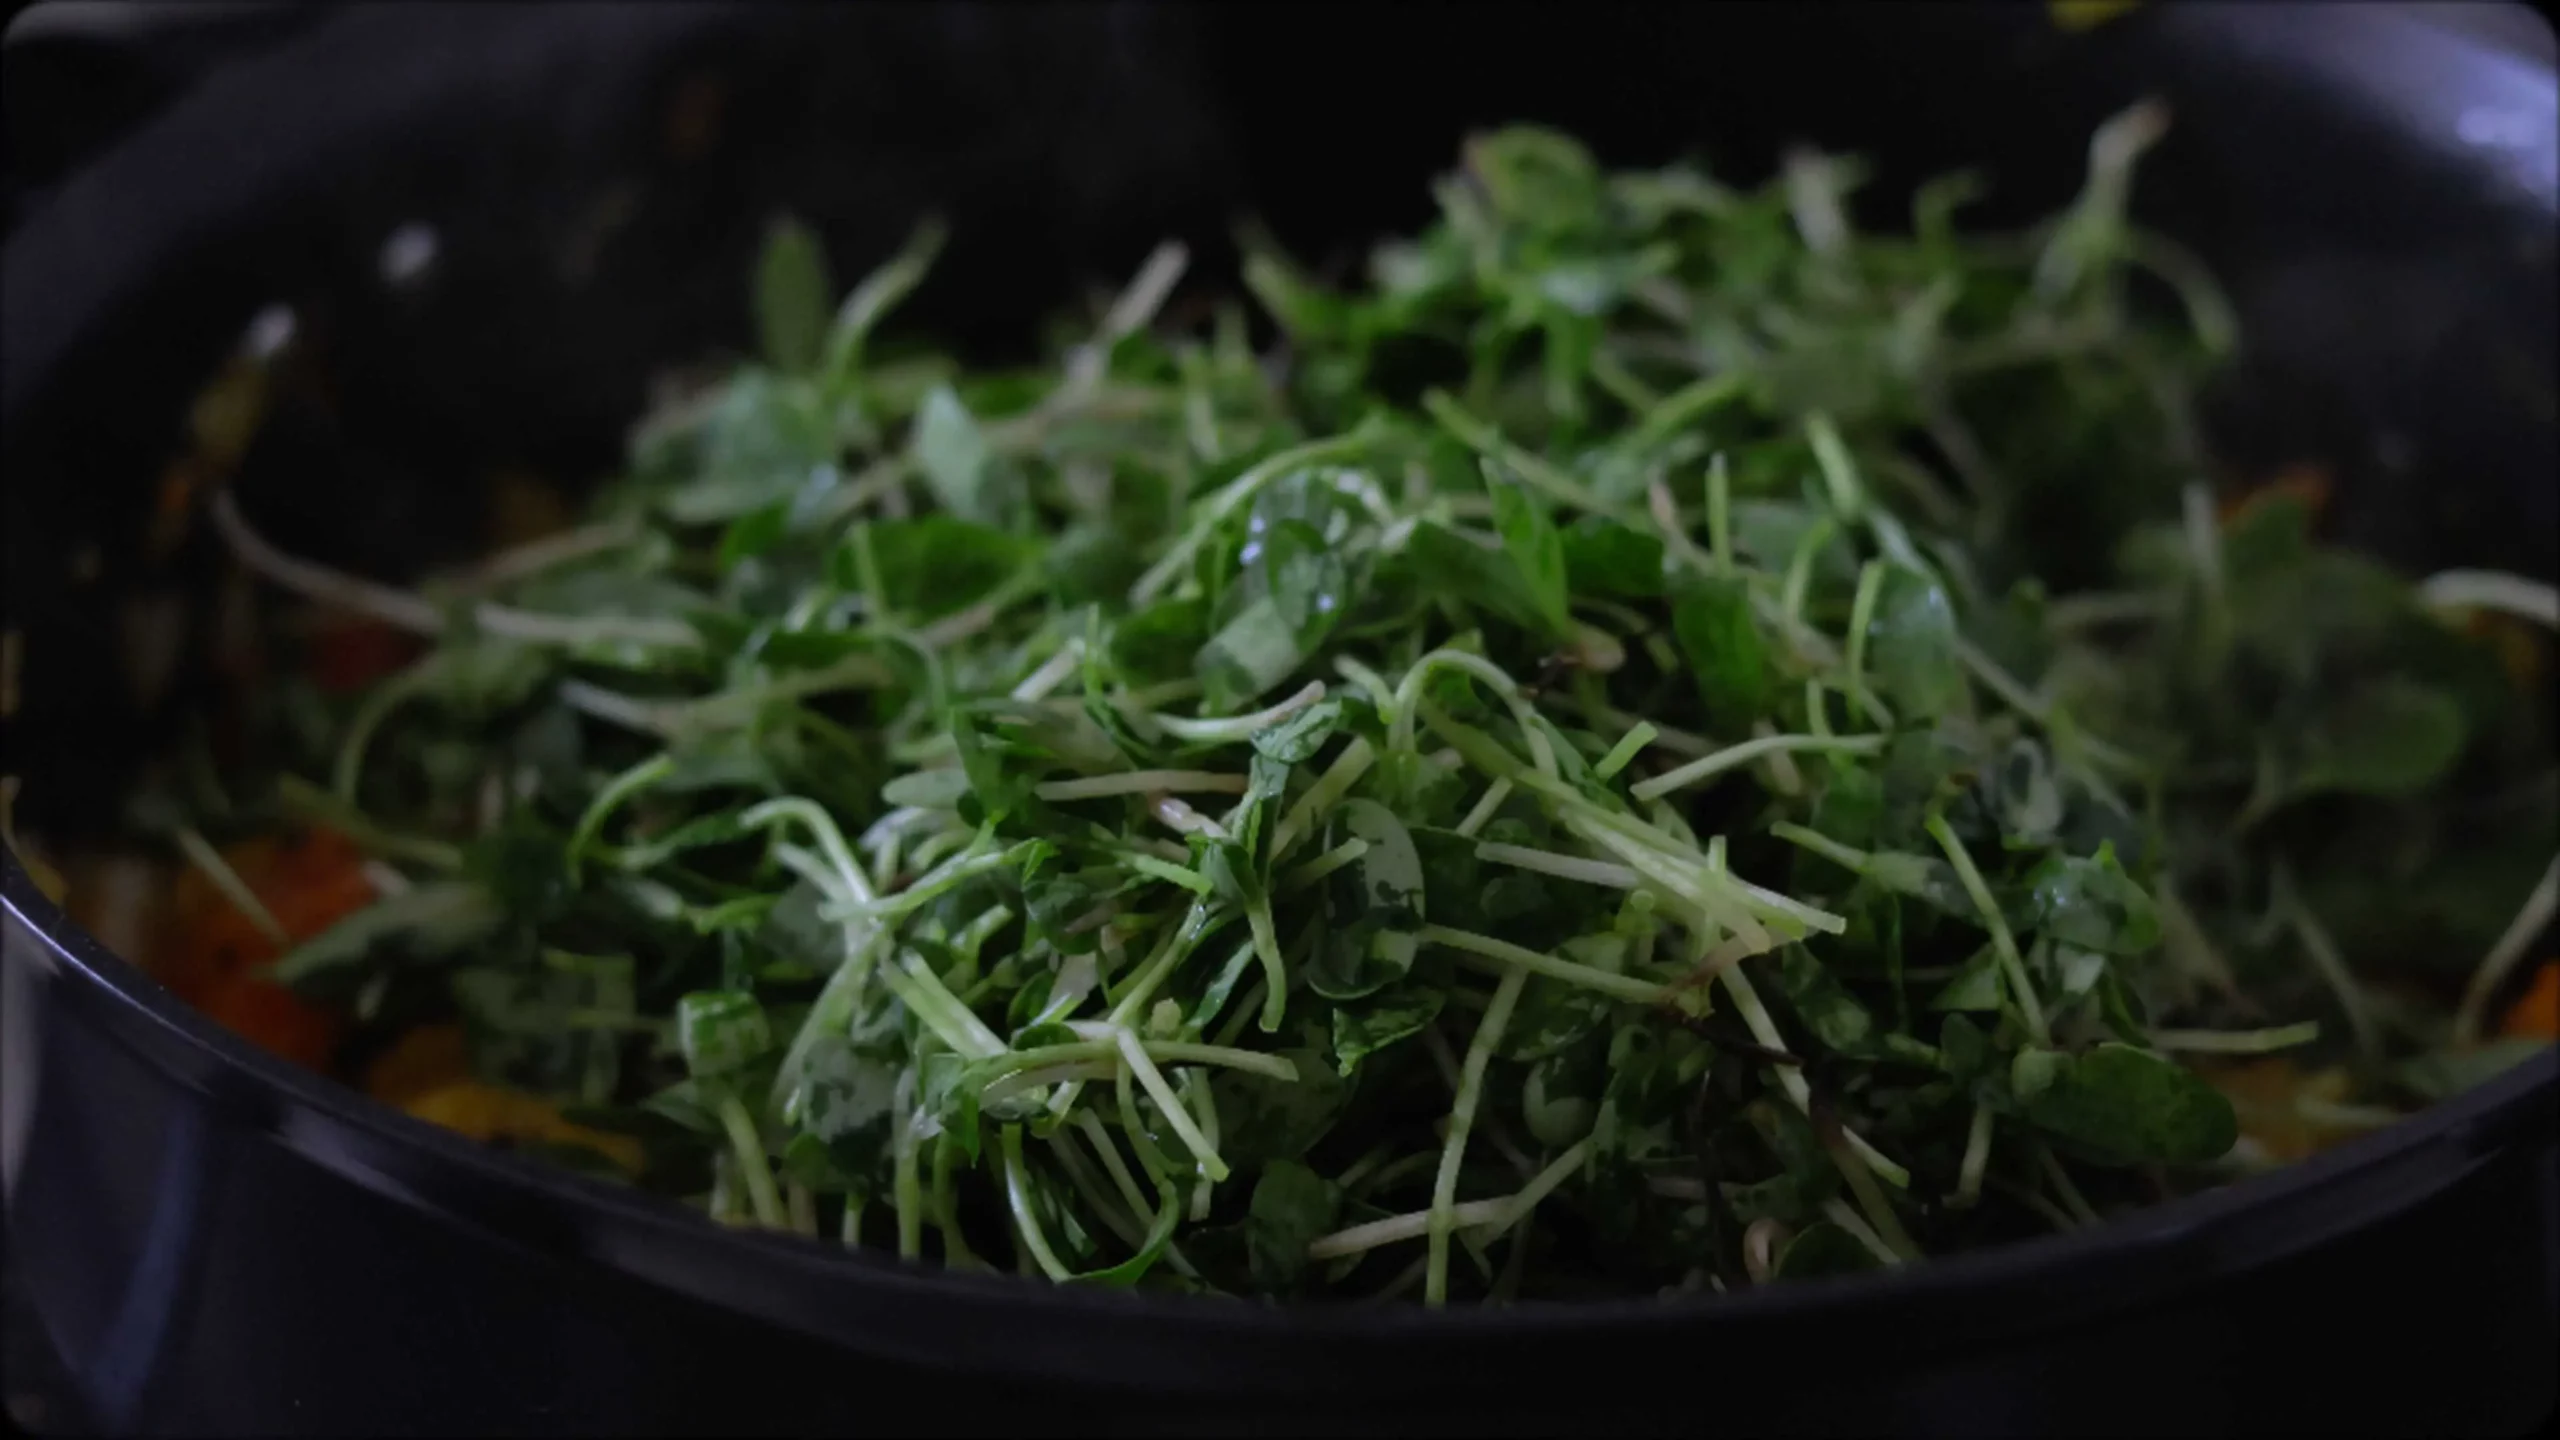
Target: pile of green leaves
column 1556, row 771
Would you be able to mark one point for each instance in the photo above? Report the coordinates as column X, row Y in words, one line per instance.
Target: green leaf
column 2325, row 611
column 1551, row 1016
column 1529, row 537
column 1157, row 644
column 766, row 440
column 1536, row 177
column 1374, row 906
column 1364, row 1027
column 1296, row 740
column 845, row 1100
column 1976, row 987
column 684, row 1105
column 2119, row 1106
column 793, row 295
column 2091, row 903
column 1822, row 1003
column 955, row 457
column 1306, row 578
column 935, row 565
column 2389, row 737
column 1055, row 903
column 1292, row 1207
column 753, row 534
column 1911, row 647
column 1263, row 1119
column 721, row 1032
column 1450, row 565
column 878, row 293
column 1559, row 1098
column 481, row 677
column 1091, row 564
column 1965, row 1049
column 1603, row 557
column 1725, row 652
column 428, row 921
column 1298, row 588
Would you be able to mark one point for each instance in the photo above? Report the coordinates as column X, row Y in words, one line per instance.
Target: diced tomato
column 174, row 507
column 349, row 654
column 211, row 953
column 2303, row 481
column 274, row 1019
column 320, row 881
column 2536, row 1013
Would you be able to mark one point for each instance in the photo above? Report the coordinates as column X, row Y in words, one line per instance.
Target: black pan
column 202, row 1240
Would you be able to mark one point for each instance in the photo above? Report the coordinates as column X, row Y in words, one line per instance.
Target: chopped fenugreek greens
column 1661, row 741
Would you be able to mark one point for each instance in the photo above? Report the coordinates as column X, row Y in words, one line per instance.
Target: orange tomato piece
column 274, row 1019
column 349, row 654
column 320, row 881
column 2536, row 1013
column 2303, row 481
column 211, row 953
column 308, row 882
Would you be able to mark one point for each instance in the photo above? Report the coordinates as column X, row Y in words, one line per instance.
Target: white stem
column 1755, row 1016
column 1977, row 1158
column 1176, row 1114
column 1052, row 674
column 1748, row 751
column 2236, row 1042
column 1182, row 818
column 1487, row 1218
column 1240, row 727
column 200, row 852
column 2494, row 590
column 2502, row 957
column 1563, row 867
column 1847, row 1219
column 1330, row 787
column 2331, row 965
column 1462, row 1118
column 400, row 608
column 1137, row 782
column 537, row 628
column 1504, row 953
column 1494, row 795
column 535, row 556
